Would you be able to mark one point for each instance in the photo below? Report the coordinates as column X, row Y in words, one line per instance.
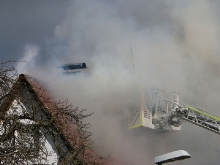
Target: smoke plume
column 175, row 47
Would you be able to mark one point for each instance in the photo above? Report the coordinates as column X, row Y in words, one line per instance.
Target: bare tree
column 30, row 120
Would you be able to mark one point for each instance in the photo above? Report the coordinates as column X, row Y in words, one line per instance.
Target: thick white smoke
column 175, row 47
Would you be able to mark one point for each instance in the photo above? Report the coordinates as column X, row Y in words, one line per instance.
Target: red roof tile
column 67, row 128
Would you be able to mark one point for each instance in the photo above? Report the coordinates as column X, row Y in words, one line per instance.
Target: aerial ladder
column 196, row 116
column 162, row 110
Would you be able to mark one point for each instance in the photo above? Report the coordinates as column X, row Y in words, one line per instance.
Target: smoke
column 175, row 47
column 30, row 53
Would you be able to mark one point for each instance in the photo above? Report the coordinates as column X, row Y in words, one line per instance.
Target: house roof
column 67, row 128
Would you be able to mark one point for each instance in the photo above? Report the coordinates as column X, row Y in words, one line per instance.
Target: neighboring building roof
column 67, row 129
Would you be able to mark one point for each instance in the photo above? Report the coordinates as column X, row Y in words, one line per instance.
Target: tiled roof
column 67, row 128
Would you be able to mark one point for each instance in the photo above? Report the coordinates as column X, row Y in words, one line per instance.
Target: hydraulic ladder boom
column 161, row 109
column 199, row 117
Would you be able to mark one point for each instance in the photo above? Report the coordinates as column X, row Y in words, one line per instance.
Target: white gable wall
column 19, row 108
